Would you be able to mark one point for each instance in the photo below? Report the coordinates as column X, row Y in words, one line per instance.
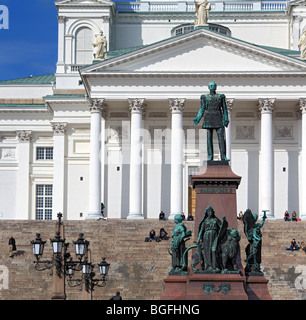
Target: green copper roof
column 286, row 52
column 58, row 96
column 114, row 53
column 36, row 80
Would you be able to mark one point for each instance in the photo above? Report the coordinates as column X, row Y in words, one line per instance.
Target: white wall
column 8, row 186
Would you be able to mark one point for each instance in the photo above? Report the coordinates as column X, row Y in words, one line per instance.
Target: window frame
column 44, row 153
column 43, row 201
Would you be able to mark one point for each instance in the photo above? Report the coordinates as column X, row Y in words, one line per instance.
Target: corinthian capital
column 303, row 105
column 136, row 105
column 59, row 127
column 24, row 136
column 61, row 19
column 266, row 105
column 176, row 105
column 96, row 105
column 229, row 104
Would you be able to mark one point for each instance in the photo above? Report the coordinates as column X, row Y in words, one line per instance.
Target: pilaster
column 59, row 129
column 23, row 176
column 61, row 44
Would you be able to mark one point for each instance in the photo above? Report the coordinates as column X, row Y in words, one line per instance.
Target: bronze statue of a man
column 214, row 111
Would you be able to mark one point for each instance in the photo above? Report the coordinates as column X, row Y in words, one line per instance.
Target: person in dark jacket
column 116, row 297
column 163, row 235
column 152, row 235
column 12, row 246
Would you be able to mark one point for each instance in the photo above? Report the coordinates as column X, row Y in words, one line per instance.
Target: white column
column 266, row 159
column 106, row 22
column 23, row 177
column 303, row 161
column 177, row 138
column 94, row 205
column 228, row 130
column 102, row 155
column 61, row 44
column 136, row 156
column 58, row 168
column 70, row 56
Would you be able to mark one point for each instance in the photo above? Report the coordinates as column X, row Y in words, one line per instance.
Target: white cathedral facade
column 119, row 130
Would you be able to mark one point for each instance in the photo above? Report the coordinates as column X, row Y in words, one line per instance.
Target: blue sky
column 29, row 46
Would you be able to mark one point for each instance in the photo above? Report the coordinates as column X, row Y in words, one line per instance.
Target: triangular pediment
column 200, row 51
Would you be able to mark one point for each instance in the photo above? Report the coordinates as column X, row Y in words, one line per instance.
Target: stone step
column 138, row 267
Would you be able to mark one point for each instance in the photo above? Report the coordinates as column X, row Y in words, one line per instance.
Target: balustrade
column 159, row 6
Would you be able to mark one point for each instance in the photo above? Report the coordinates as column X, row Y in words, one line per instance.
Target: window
column 84, row 48
column 44, row 153
column 44, row 201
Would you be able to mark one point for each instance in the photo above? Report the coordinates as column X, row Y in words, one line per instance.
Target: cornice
column 94, row 3
column 64, row 100
column 24, row 108
column 196, row 74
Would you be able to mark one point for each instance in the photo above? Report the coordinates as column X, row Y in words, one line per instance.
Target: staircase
column 137, row 267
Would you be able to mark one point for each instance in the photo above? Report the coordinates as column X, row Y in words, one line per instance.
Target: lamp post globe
column 38, row 246
column 81, row 246
column 104, row 267
column 57, row 243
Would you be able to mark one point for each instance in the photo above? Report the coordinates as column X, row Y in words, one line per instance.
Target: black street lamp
column 103, row 267
column 81, row 246
column 38, row 246
column 88, row 276
column 63, row 263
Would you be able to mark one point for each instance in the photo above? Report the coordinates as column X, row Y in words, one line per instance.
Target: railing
column 76, row 67
column 274, row 6
column 184, row 6
column 238, row 6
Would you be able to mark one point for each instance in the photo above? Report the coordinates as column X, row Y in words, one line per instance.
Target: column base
column 173, row 214
column 269, row 217
column 302, row 215
column 94, row 216
column 135, row 215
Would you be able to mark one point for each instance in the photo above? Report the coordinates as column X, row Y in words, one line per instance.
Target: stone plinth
column 175, row 287
column 216, row 287
column 201, row 286
column 215, row 185
column 257, row 288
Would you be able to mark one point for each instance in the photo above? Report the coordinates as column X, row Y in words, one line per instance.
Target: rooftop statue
column 214, row 111
column 101, row 46
column 254, row 236
column 202, row 8
column 302, row 45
